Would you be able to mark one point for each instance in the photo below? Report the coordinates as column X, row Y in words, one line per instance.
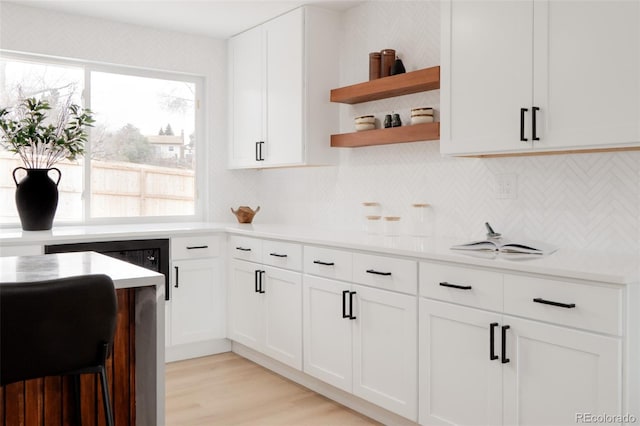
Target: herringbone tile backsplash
column 586, row 201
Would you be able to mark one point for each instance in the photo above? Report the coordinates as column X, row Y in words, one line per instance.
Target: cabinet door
column 327, row 335
column 459, row 383
column 284, row 88
column 282, row 299
column 245, row 304
column 246, row 78
column 587, row 73
column 385, row 352
column 197, row 296
column 486, row 75
column 555, row 373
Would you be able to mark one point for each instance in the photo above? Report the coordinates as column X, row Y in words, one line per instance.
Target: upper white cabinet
column 280, row 74
column 535, row 76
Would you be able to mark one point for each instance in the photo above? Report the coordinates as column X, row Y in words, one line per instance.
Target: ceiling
column 212, row 18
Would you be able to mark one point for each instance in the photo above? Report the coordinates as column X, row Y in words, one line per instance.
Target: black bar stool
column 56, row 328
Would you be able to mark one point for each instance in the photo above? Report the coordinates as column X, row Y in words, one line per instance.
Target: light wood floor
column 227, row 389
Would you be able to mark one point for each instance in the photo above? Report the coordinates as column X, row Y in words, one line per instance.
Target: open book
column 506, row 246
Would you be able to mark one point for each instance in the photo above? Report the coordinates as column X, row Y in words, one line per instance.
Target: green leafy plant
column 40, row 140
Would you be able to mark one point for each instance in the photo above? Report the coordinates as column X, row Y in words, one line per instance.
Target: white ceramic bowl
column 422, row 111
column 365, row 119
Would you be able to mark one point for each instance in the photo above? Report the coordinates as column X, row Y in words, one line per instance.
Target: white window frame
column 201, row 183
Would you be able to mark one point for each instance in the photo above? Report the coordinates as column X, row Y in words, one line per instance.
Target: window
column 141, row 157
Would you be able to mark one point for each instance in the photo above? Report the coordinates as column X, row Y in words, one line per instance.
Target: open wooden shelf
column 387, row 87
column 411, row 133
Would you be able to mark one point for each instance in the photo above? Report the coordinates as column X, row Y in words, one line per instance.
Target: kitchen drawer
column 282, row 255
column 596, row 308
column 328, row 263
column 245, row 248
column 384, row 272
column 195, row 246
column 466, row 286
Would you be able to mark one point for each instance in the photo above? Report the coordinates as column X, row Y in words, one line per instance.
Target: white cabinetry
column 196, row 311
column 21, row 250
column 547, row 76
column 357, row 338
column 279, row 75
column 506, row 369
column 265, row 302
column 555, row 373
column 455, row 369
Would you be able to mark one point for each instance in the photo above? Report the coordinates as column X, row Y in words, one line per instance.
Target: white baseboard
column 195, row 350
column 338, row 395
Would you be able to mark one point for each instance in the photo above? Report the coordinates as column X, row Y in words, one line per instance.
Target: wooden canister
column 388, row 57
column 374, row 65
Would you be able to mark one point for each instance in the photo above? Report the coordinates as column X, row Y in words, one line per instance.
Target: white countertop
column 52, row 266
column 69, row 234
column 577, row 264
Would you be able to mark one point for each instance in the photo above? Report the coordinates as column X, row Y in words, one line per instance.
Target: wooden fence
column 118, row 190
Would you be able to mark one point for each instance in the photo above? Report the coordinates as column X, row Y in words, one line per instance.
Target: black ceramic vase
column 36, row 198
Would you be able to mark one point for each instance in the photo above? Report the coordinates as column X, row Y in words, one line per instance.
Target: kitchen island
column 136, row 366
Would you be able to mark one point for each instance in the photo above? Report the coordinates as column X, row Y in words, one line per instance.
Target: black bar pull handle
column 277, row 255
column 534, row 136
column 552, row 303
column 522, row 113
column 243, row 249
column 351, row 294
column 260, row 158
column 459, row 287
column 256, row 288
column 344, row 304
column 504, row 344
column 318, row 262
column 373, row 271
column 177, row 276
column 257, row 157
column 261, row 276
column 196, row 247
column 492, row 341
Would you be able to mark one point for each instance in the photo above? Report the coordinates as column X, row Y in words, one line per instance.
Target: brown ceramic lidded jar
column 387, row 60
column 374, row 65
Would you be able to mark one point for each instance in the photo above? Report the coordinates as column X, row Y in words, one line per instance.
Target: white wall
column 33, row 30
column 587, row 201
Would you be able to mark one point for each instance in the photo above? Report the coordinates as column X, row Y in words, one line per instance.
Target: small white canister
column 392, row 225
column 422, row 220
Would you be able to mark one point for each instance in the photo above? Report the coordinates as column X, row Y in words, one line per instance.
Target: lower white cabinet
column 362, row 340
column 265, row 307
column 556, row 373
column 539, row 374
column 197, row 300
column 195, row 314
column 455, row 369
